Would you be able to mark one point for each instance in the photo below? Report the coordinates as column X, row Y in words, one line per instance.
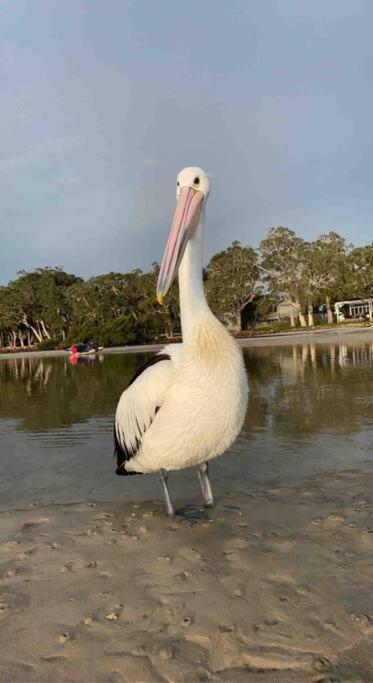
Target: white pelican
column 187, row 404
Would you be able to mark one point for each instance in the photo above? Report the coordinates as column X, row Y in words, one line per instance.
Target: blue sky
column 103, row 102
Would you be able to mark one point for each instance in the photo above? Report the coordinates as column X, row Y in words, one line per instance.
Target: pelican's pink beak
column 185, row 221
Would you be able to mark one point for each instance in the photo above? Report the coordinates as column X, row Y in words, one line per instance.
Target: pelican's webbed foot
column 203, row 474
column 169, row 507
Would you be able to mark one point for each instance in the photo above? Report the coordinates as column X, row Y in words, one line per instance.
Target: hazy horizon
column 103, row 103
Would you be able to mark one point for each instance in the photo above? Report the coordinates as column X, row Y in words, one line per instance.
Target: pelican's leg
column 169, row 506
column 203, row 474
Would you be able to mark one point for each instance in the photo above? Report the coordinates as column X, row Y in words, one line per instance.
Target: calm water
column 310, row 411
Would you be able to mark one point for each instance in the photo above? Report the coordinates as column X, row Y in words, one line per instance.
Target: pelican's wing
column 138, row 406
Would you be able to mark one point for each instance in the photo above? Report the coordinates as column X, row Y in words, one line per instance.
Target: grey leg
column 169, row 507
column 203, row 474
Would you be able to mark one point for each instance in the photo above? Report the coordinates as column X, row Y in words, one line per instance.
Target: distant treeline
column 52, row 308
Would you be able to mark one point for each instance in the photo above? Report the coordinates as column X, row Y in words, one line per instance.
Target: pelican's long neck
column 193, row 305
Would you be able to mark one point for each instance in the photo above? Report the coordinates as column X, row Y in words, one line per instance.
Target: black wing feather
column 122, row 452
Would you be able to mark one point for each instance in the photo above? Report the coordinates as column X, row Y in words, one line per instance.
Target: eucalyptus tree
column 233, row 282
column 282, row 262
column 33, row 306
column 100, row 309
column 328, row 265
column 119, row 308
column 98, row 299
column 24, row 304
column 8, row 320
column 309, row 279
column 361, row 271
column 158, row 319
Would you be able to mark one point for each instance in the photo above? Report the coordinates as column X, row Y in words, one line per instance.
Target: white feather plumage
column 201, row 391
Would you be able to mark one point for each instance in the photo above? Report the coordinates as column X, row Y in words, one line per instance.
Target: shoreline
column 319, row 336
column 275, row 584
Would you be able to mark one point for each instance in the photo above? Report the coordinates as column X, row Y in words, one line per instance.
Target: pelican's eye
column 196, row 181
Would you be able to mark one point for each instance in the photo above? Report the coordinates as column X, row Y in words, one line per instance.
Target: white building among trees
column 358, row 309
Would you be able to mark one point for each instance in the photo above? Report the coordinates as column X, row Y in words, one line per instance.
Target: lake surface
column 310, row 411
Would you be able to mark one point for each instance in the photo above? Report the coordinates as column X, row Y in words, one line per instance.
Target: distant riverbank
column 310, row 336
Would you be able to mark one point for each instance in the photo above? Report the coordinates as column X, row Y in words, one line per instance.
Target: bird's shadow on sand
column 192, row 514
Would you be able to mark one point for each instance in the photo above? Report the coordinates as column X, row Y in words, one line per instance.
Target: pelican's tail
column 122, row 457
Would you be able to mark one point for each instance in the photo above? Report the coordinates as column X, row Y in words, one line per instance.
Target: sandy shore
column 275, row 587
column 346, row 335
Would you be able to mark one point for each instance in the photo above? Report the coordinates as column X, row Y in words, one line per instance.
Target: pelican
column 187, row 404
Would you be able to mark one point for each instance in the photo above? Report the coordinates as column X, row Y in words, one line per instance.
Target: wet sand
column 273, row 586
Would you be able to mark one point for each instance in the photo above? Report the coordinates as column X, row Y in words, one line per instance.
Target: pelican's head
column 192, row 190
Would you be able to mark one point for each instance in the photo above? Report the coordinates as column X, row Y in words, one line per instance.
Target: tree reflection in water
column 48, row 393
column 303, row 389
column 295, row 391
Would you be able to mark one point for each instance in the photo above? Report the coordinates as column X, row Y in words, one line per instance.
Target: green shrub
column 117, row 332
column 48, row 344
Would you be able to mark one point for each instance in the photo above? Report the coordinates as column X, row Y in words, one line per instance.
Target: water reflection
column 294, row 390
column 85, row 360
column 47, row 393
column 310, row 410
column 305, row 389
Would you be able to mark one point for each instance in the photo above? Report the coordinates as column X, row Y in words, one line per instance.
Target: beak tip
column 160, row 298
